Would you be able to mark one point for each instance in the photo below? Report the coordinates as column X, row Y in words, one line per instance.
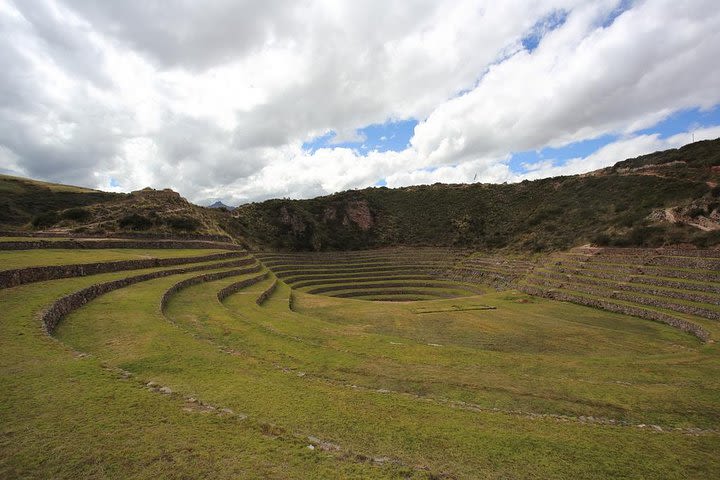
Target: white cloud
column 583, row 82
column 217, row 99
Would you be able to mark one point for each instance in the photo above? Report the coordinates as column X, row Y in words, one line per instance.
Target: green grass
column 68, row 417
column 454, row 392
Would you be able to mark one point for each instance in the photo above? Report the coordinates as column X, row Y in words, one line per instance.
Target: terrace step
column 690, row 308
column 618, row 306
column 21, row 276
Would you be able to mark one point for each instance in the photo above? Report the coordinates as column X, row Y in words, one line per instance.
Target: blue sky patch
column 383, row 137
column 546, row 24
column 622, row 7
column 684, row 121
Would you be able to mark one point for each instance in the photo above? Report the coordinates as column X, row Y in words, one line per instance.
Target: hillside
column 667, row 197
column 664, row 198
column 31, row 205
column 22, row 200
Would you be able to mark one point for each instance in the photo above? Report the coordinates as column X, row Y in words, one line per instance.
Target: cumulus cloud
column 584, row 81
column 215, row 99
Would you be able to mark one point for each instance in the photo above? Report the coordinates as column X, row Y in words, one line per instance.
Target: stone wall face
column 52, row 316
column 679, row 323
column 237, row 286
column 20, row 276
column 204, row 278
column 104, row 243
column 132, row 235
column 266, row 293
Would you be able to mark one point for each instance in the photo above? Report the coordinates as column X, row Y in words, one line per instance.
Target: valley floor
column 163, row 378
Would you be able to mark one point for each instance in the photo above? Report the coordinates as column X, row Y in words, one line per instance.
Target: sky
column 240, row 101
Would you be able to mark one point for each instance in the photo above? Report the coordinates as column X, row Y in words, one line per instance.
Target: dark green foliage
column 76, row 214
column 135, row 222
column 44, row 220
column 185, row 224
column 541, row 215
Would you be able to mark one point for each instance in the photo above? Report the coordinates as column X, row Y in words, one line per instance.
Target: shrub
column 601, row 239
column 186, row 224
column 46, row 219
column 135, row 222
column 77, row 214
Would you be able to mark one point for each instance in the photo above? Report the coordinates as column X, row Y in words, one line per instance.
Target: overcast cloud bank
column 216, row 99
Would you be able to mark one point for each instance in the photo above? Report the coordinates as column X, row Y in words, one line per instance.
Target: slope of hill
column 23, row 200
column 667, row 197
column 30, row 205
column 147, row 210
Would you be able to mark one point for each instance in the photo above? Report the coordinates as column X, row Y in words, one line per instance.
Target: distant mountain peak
column 220, row 204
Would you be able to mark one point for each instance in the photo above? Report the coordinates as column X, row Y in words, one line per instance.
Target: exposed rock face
column 296, row 223
column 358, row 212
column 700, row 214
column 329, row 214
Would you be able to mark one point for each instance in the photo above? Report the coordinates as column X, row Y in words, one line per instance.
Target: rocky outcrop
column 358, row 212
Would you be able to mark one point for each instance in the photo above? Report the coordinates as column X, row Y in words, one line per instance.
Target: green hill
column 23, row 200
column 664, row 198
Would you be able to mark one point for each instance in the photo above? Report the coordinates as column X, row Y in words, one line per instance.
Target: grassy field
column 491, row 385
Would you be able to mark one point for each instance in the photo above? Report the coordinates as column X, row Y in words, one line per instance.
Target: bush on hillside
column 77, row 214
column 185, row 224
column 135, row 222
column 47, row 219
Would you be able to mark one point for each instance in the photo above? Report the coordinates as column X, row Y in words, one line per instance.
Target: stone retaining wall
column 266, row 293
column 679, row 323
column 21, row 276
column 293, row 271
column 384, row 285
column 607, row 270
column 618, row 294
column 104, row 243
column 237, row 286
column 661, row 282
column 209, row 277
column 365, row 293
column 629, row 284
column 361, row 280
column 131, row 235
column 52, row 316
